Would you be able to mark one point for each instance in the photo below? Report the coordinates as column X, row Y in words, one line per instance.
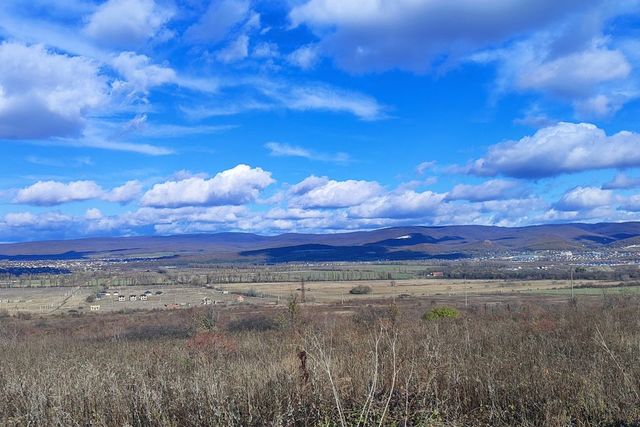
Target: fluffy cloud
column 38, row 103
column 93, row 214
column 581, row 198
column 239, row 185
column 622, row 182
column 495, row 189
column 558, row 149
column 128, row 23
column 581, row 59
column 219, row 19
column 506, row 213
column 49, row 193
column 575, row 73
column 407, row 204
column 186, row 218
column 139, row 73
column 409, row 34
column 594, row 78
column 21, row 226
column 396, row 208
column 294, row 213
column 510, row 212
column 632, row 203
column 322, row 192
column 308, row 184
column 126, row 193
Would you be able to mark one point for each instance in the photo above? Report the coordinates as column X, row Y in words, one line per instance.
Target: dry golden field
column 52, row 300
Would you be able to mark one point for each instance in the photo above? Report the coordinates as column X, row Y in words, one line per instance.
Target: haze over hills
column 398, row 243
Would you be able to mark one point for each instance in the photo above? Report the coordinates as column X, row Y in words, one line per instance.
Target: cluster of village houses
column 144, row 297
column 121, row 297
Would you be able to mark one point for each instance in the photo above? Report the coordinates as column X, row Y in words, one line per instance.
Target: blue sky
column 127, row 117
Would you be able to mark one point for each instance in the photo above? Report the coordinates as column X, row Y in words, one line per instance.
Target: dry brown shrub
column 211, row 342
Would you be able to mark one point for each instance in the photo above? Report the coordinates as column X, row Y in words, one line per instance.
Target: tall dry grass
column 552, row 366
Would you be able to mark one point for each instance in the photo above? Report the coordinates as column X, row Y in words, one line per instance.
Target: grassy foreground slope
column 379, row 365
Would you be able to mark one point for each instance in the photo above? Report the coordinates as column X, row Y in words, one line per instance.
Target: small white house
column 95, row 308
column 121, row 298
column 143, row 297
column 133, row 297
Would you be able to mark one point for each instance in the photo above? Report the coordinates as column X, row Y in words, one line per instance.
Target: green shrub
column 360, row 290
column 441, row 313
column 250, row 293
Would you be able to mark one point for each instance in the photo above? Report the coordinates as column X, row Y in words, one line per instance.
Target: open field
column 51, row 300
column 327, row 291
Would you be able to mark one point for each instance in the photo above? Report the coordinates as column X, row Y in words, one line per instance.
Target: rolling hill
column 398, row 243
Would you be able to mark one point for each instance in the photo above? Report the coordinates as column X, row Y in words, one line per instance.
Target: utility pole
column 571, row 275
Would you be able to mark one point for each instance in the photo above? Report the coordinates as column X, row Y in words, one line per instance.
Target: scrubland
column 376, row 364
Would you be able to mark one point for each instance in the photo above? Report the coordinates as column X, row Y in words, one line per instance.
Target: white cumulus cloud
column 575, row 73
column 406, row 204
column 322, row 192
column 239, row 185
column 128, row 23
column 45, row 94
column 218, row 20
column 558, row 149
column 495, row 189
column 622, row 182
column 125, row 193
column 48, row 193
column 581, row 198
column 140, row 74
column 385, row 34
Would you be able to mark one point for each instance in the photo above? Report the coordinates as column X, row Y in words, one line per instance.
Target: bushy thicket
column 441, row 313
column 360, row 290
column 552, row 366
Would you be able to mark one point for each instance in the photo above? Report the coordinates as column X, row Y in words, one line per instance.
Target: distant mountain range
column 398, row 243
